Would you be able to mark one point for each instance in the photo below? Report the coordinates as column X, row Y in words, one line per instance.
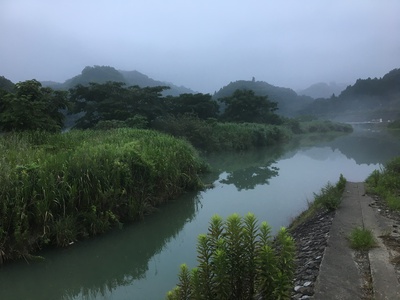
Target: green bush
column 330, row 195
column 239, row 260
column 210, row 135
column 386, row 183
column 361, row 239
column 329, row 198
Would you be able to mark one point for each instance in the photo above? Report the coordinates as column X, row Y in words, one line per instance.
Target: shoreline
column 314, row 239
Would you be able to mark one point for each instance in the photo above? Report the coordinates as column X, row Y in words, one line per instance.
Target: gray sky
column 202, row 44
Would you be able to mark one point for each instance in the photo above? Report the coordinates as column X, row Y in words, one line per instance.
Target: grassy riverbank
column 386, row 183
column 211, row 135
column 328, row 199
column 57, row 188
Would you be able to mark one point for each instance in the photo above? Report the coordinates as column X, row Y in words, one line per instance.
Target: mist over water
column 142, row 260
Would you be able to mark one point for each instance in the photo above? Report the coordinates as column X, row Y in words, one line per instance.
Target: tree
column 6, row 84
column 32, row 107
column 245, row 106
column 200, row 105
column 113, row 101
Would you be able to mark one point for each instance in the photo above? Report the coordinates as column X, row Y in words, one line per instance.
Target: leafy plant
column 238, row 260
column 361, row 239
column 386, row 183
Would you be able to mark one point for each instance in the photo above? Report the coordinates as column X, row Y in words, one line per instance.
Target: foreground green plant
column 386, row 183
column 361, row 239
column 239, row 260
column 57, row 188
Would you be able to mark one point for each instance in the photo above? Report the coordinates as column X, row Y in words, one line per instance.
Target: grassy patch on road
column 361, row 239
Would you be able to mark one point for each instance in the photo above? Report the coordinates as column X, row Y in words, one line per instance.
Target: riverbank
column 326, row 266
column 56, row 189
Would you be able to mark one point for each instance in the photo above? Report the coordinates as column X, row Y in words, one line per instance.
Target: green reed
column 57, row 188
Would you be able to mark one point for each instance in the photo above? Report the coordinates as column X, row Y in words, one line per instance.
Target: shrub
column 210, row 135
column 361, row 239
column 239, row 260
column 330, row 195
column 386, row 183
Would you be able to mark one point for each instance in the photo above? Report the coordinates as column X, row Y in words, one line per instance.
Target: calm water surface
column 142, row 260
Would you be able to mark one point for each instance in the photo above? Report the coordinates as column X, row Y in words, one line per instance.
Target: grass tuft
column 362, row 239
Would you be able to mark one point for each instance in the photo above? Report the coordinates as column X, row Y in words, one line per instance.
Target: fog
column 204, row 44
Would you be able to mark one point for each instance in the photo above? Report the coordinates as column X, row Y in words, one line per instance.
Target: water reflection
column 249, row 178
column 142, row 261
column 97, row 267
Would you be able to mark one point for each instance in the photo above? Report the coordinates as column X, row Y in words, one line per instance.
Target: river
column 141, row 261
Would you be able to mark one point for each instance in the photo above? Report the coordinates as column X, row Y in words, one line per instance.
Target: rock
column 311, row 240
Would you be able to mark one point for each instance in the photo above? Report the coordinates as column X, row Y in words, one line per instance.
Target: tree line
column 30, row 106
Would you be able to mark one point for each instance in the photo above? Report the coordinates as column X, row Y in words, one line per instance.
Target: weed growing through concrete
column 362, row 239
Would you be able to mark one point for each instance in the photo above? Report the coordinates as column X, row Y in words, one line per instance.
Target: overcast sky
column 202, row 44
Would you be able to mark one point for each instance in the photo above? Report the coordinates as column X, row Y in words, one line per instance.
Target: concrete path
column 339, row 277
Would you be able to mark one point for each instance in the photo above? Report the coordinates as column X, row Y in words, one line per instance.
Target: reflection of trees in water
column 249, row 178
column 369, row 146
column 96, row 267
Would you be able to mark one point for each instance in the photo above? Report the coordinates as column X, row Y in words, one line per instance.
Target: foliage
column 330, row 195
column 6, row 85
column 113, row 101
column 199, row 105
column 361, row 239
column 210, row 135
column 32, row 107
column 394, row 125
column 239, row 260
column 386, row 183
column 364, row 100
column 97, row 74
column 323, row 126
column 245, row 106
column 56, row 188
column 287, row 99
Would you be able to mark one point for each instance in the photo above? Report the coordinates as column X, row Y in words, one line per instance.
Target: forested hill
column 323, row 90
column 102, row 74
column 288, row 101
column 367, row 99
column 6, row 84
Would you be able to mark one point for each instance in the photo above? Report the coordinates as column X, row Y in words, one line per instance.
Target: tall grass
column 386, row 183
column 210, row 135
column 57, row 188
column 328, row 199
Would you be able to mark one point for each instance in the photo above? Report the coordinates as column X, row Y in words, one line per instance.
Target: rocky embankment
column 311, row 239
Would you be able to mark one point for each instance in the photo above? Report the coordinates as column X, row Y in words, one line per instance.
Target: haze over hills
column 323, row 90
column 365, row 100
column 102, row 74
column 288, row 101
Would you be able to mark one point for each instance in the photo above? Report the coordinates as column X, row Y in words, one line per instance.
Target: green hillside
column 289, row 103
column 367, row 99
column 102, row 74
column 6, row 84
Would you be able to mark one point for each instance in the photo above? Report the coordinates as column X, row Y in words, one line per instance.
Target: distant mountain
column 137, row 78
column 365, row 100
column 323, row 90
column 288, row 101
column 102, row 74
